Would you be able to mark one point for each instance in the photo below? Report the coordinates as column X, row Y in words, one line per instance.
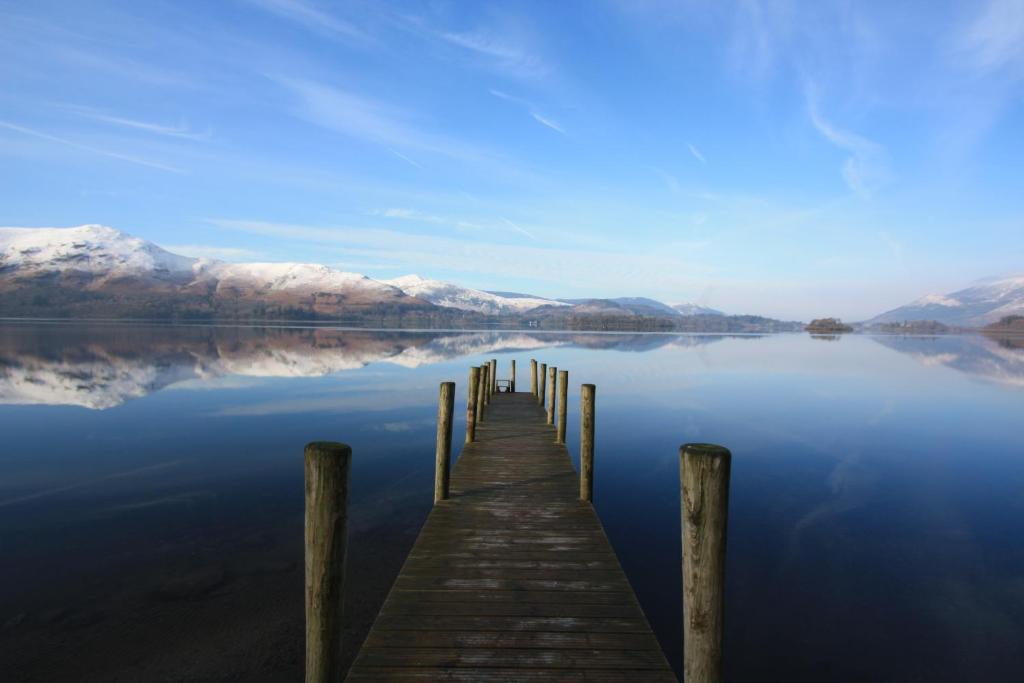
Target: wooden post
column 512, row 379
column 327, row 467
column 487, row 383
column 552, row 386
column 471, row 388
column 587, row 442
column 480, row 391
column 494, row 375
column 563, row 400
column 533, row 377
column 443, row 449
column 542, row 378
column 704, row 494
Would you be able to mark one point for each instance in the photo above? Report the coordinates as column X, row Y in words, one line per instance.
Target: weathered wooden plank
column 516, row 640
column 573, row 659
column 512, row 577
column 513, row 675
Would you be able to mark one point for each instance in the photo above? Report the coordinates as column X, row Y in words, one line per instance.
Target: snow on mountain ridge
column 452, row 295
column 982, row 302
column 93, row 249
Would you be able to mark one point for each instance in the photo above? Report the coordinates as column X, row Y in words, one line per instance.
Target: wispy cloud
column 368, row 119
column 597, row 270
column 180, row 131
column 215, row 252
column 406, row 159
column 422, row 217
column 867, row 167
column 89, row 148
column 500, row 51
column 529, row 106
column 547, row 122
column 310, row 16
column 517, row 228
column 996, row 37
column 696, row 153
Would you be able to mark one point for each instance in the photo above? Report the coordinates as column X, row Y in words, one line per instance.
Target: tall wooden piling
column 443, row 448
column 494, row 375
column 587, row 392
column 542, row 379
column 481, row 389
column 704, row 495
column 563, row 408
column 533, row 377
column 487, row 383
column 512, row 378
column 552, row 387
column 327, row 473
column 471, row 389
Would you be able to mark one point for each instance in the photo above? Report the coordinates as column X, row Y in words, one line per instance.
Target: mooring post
column 587, row 442
column 533, row 377
column 327, row 468
column 704, row 496
column 494, row 375
column 443, row 449
column 542, row 378
column 480, row 391
column 563, row 400
column 512, row 379
column 487, row 383
column 474, row 380
column 552, row 386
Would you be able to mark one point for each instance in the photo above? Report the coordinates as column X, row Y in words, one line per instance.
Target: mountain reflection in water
column 103, row 366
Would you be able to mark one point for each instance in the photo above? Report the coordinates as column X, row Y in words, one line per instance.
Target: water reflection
column 994, row 358
column 101, row 367
column 874, row 510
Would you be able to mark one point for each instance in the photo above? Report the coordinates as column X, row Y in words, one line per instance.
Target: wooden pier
column 512, row 577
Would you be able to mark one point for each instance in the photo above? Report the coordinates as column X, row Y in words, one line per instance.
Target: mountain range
column 983, row 302
column 98, row 271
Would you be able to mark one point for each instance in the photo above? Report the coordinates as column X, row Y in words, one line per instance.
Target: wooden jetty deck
column 512, row 578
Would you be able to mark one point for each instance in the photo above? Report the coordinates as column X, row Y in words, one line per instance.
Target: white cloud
column 548, row 122
column 585, row 268
column 696, row 153
column 406, row 159
column 501, row 52
column 996, row 37
column 311, row 17
column 537, row 116
column 215, row 252
column 371, row 120
column 867, row 167
column 179, row 131
column 89, row 148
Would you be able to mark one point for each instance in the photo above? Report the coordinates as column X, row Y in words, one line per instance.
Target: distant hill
column 983, row 302
column 694, row 309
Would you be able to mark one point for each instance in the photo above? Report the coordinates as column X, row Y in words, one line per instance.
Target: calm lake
column 151, row 490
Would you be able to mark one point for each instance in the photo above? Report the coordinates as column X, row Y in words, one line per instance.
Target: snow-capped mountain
column 88, row 252
column 94, row 269
column 983, row 302
column 694, row 309
column 451, row 295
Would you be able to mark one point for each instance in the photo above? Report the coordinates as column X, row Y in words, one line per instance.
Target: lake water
column 151, row 492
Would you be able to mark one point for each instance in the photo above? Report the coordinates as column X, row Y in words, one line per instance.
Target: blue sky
column 789, row 159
